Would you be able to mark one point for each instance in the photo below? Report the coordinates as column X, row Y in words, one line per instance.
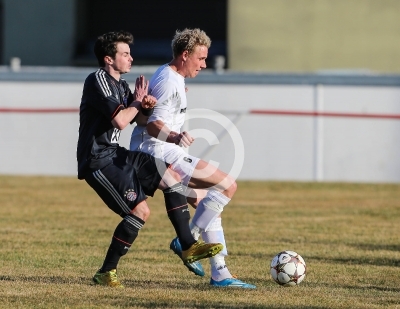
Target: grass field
column 55, row 231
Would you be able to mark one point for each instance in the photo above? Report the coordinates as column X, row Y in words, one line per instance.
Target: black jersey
column 102, row 98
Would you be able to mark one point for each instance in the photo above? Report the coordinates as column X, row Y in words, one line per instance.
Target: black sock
column 179, row 214
column 124, row 235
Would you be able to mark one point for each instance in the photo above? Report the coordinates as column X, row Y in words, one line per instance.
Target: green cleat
column 109, row 278
column 200, row 250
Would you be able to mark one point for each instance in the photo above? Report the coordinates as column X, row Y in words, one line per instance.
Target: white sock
column 215, row 234
column 209, row 208
column 219, row 270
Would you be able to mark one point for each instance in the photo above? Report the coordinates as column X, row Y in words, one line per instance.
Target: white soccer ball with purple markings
column 288, row 268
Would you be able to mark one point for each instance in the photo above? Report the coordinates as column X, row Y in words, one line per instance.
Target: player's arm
column 146, row 109
column 163, row 110
column 140, row 107
column 125, row 116
column 143, row 116
column 159, row 130
column 140, row 119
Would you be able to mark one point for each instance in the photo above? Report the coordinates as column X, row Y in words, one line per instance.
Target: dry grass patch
column 54, row 232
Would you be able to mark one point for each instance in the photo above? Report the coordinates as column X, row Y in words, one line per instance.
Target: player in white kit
column 163, row 138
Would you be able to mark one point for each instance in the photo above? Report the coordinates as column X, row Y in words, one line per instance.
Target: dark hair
column 106, row 44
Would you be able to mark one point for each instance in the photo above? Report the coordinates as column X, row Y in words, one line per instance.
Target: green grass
column 54, row 233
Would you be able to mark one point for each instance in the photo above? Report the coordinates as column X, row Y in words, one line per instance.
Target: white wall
column 39, row 143
column 280, row 147
column 276, row 147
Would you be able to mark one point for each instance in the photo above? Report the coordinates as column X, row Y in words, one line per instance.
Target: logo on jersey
column 130, row 195
column 115, row 136
column 183, row 110
column 187, row 159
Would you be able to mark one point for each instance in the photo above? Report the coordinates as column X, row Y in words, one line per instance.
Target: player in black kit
column 123, row 179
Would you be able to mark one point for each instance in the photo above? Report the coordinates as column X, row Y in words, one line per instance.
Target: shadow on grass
column 127, row 302
column 148, row 284
column 355, row 287
column 218, row 305
column 376, row 247
column 137, row 301
column 358, row 261
column 37, row 279
column 129, row 283
column 372, row 288
column 344, row 260
column 349, row 260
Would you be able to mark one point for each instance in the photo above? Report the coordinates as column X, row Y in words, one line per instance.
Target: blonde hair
column 188, row 39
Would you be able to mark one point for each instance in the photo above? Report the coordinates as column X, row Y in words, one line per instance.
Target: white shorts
column 181, row 162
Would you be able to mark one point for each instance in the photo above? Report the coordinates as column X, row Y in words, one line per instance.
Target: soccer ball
column 288, row 268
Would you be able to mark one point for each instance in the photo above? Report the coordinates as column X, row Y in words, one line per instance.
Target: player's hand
column 148, row 101
column 141, row 88
column 184, row 139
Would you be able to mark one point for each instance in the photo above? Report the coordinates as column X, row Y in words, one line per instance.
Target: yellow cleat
column 109, row 278
column 200, row 250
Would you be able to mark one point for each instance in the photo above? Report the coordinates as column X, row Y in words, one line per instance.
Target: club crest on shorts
column 187, row 159
column 130, row 195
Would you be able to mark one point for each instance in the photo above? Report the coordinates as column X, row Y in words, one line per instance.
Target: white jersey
column 168, row 87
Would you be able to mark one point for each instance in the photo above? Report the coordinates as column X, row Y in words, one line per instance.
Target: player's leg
column 122, row 240
column 120, row 191
column 151, row 171
column 154, row 174
column 208, row 222
column 184, row 165
column 196, row 173
column 220, row 189
column 177, row 208
column 219, row 270
column 215, row 231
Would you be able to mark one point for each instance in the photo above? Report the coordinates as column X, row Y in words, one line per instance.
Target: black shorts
column 127, row 180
